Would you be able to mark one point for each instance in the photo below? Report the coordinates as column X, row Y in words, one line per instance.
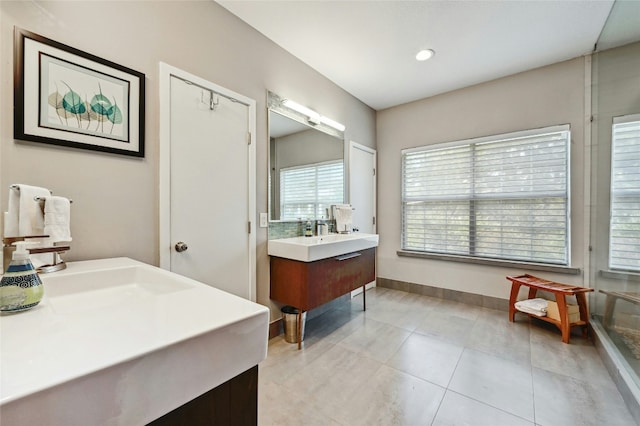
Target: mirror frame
column 275, row 104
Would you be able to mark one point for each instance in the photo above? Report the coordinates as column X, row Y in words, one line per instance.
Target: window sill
column 620, row 275
column 492, row 262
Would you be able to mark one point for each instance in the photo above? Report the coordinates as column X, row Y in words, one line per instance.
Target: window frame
column 625, row 119
column 563, row 265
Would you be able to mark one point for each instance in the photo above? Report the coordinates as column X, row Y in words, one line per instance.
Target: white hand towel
column 11, row 224
column 343, row 216
column 57, row 218
column 536, row 306
column 25, row 215
column 12, row 216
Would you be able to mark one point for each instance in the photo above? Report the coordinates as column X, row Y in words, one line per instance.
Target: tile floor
column 418, row 360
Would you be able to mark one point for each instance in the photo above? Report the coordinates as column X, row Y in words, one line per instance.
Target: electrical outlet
column 264, row 220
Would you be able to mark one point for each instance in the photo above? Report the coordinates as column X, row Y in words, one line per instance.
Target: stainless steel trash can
column 290, row 323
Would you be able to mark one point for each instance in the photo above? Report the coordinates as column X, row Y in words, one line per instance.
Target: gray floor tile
column 428, row 358
column 493, row 333
column 458, row 410
column 563, row 400
column 333, row 326
column 278, row 406
column 333, row 378
column 495, row 381
column 578, row 359
column 394, row 314
column 462, row 310
column 419, row 360
column 376, row 340
column 448, row 327
column 284, row 359
column 391, row 397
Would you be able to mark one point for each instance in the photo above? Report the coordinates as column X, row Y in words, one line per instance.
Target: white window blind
column 501, row 197
column 624, row 228
column 307, row 191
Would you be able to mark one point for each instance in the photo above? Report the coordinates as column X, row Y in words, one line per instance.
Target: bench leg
column 565, row 328
column 513, row 298
column 581, row 298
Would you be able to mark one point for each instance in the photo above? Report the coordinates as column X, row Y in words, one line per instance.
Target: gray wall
column 542, row 97
column 115, row 210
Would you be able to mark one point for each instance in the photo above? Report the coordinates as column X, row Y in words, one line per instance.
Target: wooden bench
column 612, row 298
column 560, row 291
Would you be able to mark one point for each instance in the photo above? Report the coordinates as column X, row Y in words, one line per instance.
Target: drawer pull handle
column 348, row 256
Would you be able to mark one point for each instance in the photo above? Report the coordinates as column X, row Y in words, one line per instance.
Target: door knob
column 180, row 247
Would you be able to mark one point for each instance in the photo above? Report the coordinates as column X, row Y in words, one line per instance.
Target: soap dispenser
column 20, row 287
column 308, row 229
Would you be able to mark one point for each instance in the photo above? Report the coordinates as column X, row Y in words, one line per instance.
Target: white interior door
column 362, row 187
column 211, row 186
column 362, row 191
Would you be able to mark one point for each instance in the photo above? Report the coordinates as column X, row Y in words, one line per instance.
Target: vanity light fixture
column 423, row 55
column 312, row 116
column 333, row 123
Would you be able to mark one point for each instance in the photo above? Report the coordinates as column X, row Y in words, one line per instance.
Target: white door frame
column 354, row 145
column 166, row 71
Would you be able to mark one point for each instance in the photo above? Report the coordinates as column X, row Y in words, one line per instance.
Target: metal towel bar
column 16, row 187
column 41, row 199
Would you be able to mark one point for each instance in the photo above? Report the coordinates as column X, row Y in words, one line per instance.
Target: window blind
column 307, row 191
column 501, row 197
column 624, row 227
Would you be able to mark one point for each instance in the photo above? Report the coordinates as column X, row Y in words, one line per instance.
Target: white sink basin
column 116, row 341
column 309, row 249
column 110, row 288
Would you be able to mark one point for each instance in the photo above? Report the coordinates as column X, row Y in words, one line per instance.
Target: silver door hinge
column 374, row 171
column 374, row 220
column 249, row 227
column 248, row 138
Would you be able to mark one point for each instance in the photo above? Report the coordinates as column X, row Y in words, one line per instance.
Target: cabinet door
column 289, row 281
column 333, row 277
column 307, row 285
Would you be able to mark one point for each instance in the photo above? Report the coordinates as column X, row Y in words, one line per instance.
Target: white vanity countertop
column 138, row 350
column 310, row 249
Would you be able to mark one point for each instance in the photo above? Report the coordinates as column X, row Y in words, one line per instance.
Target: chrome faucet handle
column 52, row 249
column 8, row 249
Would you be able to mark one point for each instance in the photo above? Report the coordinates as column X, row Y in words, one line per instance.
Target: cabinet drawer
column 307, row 285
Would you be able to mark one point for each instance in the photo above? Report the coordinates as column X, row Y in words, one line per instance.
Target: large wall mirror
column 306, row 162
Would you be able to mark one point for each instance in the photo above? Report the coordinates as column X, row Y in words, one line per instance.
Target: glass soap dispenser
column 20, row 287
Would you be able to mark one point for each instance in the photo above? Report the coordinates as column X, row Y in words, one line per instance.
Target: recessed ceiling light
column 423, row 55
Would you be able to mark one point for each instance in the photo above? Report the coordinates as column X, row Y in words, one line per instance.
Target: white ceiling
column 368, row 47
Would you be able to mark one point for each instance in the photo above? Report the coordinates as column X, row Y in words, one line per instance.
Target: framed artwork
column 64, row 96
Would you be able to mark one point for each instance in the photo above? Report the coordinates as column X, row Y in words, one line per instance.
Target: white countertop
column 171, row 347
column 310, row 249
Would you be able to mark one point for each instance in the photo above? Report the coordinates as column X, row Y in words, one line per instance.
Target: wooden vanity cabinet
column 234, row 402
column 307, row 285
